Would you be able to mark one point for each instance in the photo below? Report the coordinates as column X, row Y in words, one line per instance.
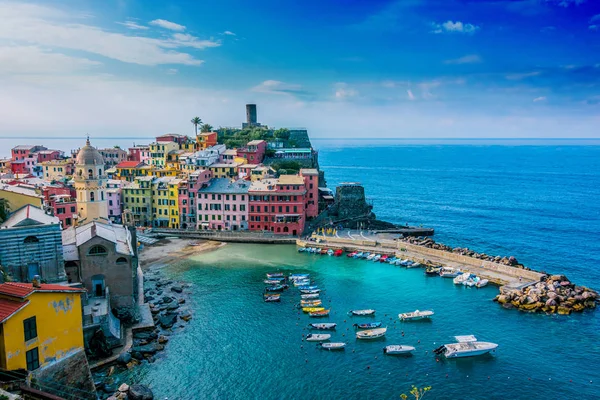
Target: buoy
column 419, row 341
column 447, row 376
column 368, row 367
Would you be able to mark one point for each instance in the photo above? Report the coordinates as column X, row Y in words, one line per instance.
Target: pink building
column 139, row 153
column 114, row 201
column 48, row 155
column 173, row 137
column 196, row 180
column 23, row 151
column 223, row 205
column 311, row 182
column 186, row 213
column 254, row 152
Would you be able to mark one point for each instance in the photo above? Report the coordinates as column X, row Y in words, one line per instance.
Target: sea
column 536, row 200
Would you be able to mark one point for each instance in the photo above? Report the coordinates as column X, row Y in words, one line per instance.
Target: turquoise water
column 238, row 347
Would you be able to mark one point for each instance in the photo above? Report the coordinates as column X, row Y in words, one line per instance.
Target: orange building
column 206, row 139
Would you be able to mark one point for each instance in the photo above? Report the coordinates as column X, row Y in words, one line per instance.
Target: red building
column 48, row 155
column 139, row 153
column 277, row 205
column 172, row 137
column 24, row 151
column 19, row 167
column 311, row 182
column 206, row 139
column 254, row 152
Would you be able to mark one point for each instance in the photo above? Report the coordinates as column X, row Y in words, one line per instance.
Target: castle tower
column 90, row 184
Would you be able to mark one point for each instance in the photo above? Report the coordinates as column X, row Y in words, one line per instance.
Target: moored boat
column 298, row 283
column 482, row 283
column 270, row 299
column 371, row 256
column 397, row 349
column 311, row 287
column 330, row 252
column 275, row 275
column 354, row 253
column 317, row 337
column 299, row 276
column 271, row 281
column 366, row 255
column 376, row 258
column 312, row 309
column 310, row 303
column 368, row 325
column 276, row 288
column 433, row 271
column 323, row 252
column 467, row 346
column 362, row 312
column 321, row 313
column 323, row 325
column 309, row 291
column 415, row 315
column 449, row 272
column 301, row 249
column 338, row 252
column 333, row 346
column 310, row 296
column 383, row 258
column 358, row 255
column 460, row 279
column 371, row 334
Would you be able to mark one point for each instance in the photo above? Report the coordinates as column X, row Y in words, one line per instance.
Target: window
column 31, row 239
column 121, row 260
column 97, row 250
column 33, row 359
column 92, row 196
column 30, row 328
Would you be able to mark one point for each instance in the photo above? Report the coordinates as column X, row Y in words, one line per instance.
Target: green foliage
column 4, row 397
column 253, row 133
column 283, row 171
column 206, row 128
column 416, row 393
column 196, row 121
column 269, row 153
column 4, row 209
column 282, row 133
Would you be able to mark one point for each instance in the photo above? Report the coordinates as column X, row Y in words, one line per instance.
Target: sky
column 341, row 68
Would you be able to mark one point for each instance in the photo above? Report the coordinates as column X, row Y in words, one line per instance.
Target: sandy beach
column 166, row 251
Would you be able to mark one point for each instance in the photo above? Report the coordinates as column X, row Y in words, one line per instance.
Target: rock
column 181, row 301
column 132, row 364
column 173, row 306
column 137, row 355
column 177, row 289
column 578, row 307
column 508, row 306
column 167, row 299
column 122, row 396
column 564, row 310
column 124, row 358
column 503, row 299
column 140, row 392
column 146, row 349
column 186, row 316
column 551, row 303
column 557, row 278
column 590, row 304
column 146, row 335
column 123, row 388
column 167, row 321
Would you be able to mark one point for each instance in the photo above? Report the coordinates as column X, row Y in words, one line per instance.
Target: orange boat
column 322, row 313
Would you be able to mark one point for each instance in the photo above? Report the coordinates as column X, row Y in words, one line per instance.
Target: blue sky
column 409, row 68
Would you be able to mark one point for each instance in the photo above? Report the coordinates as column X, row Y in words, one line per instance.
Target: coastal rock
column 137, row 355
column 146, row 335
column 140, row 392
column 167, row 321
column 578, row 307
column 177, row 289
column 172, row 306
column 167, row 299
column 564, row 310
column 145, row 349
column 181, row 301
column 502, row 299
column 124, row 358
column 186, row 316
column 551, row 303
column 162, row 339
column 123, row 388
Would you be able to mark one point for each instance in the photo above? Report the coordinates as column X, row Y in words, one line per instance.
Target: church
column 90, row 184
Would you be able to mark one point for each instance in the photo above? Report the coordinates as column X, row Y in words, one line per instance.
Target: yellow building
column 57, row 169
column 224, row 170
column 90, row 184
column 129, row 170
column 262, row 172
column 5, row 165
column 137, row 199
column 159, row 153
column 21, row 195
column 39, row 324
column 165, row 202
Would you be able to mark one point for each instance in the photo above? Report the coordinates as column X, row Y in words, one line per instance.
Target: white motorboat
column 394, row 349
column 371, row 334
column 309, row 296
column 482, row 283
column 324, row 325
column 449, row 272
column 460, row 279
column 371, row 256
column 361, row 312
column 415, row 315
column 317, row 337
column 471, row 282
column 305, row 282
column 377, row 257
column 333, row 346
column 467, row 346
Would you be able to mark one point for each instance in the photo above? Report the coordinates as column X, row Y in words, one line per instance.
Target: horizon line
column 319, row 138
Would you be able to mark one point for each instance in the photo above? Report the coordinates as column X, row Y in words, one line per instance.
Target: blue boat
column 276, row 288
column 313, row 287
column 391, row 260
column 369, row 325
column 365, row 255
column 299, row 276
column 358, row 255
column 310, row 291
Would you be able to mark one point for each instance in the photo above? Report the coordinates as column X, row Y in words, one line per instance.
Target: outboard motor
column 440, row 350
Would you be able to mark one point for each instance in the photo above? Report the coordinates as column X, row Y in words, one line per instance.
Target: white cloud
column 524, row 75
column 34, row 60
column 273, row 86
column 344, row 92
column 454, row 27
column 163, row 23
column 133, row 26
column 49, row 27
column 567, row 3
column 538, row 99
column 229, row 33
column 470, row 59
column 172, row 71
column 410, row 94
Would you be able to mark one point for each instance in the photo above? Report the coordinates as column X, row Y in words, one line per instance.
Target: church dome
column 88, row 155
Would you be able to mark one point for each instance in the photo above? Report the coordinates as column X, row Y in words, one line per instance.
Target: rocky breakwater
column 553, row 294
column 463, row 251
column 167, row 300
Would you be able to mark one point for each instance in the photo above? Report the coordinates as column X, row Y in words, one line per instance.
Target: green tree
column 4, row 209
column 282, row 133
column 416, row 393
column 283, row 171
column 206, row 128
column 196, row 121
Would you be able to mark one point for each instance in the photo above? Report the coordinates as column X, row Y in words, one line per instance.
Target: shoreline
column 169, row 250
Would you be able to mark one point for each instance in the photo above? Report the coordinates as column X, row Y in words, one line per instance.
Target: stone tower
column 90, row 184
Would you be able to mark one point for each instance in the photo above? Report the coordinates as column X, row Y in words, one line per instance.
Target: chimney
column 36, row 282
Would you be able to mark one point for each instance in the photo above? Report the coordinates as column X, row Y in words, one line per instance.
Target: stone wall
column 69, row 378
column 350, row 202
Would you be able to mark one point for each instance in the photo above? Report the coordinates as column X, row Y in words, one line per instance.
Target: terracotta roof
column 22, row 290
column 128, row 164
column 9, row 307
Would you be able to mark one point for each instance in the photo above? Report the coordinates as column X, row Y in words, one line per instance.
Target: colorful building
column 277, row 205
column 30, row 245
column 113, row 156
column 224, row 170
column 311, row 182
column 90, row 184
column 165, row 202
column 223, row 205
column 139, row 153
column 20, row 195
column 159, row 152
column 129, row 170
column 41, row 324
column 137, row 200
column 253, row 152
column 57, row 170
column 206, row 139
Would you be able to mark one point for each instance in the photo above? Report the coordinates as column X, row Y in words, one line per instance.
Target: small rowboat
column 481, row 283
column 332, row 346
column 338, row 252
column 384, row 258
column 415, row 315
column 323, row 326
column 371, row 334
column 317, row 337
column 369, row 325
column 358, row 255
column 312, row 287
column 312, row 309
column 275, row 275
column 270, row 299
column 323, row 252
column 300, row 283
column 432, row 271
column 310, row 303
column 361, row 312
column 310, row 296
column 322, row 313
column 299, row 276
column 352, row 254
column 276, row 288
column 396, row 349
column 271, row 281
column 309, row 291
column 267, row 294
column 330, row 252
